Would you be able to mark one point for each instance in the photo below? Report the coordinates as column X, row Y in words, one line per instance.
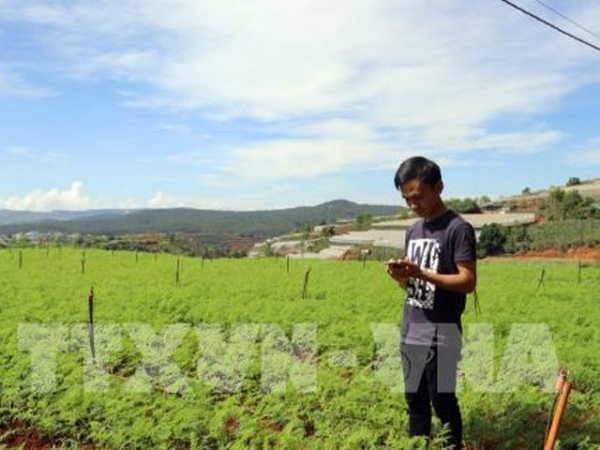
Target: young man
column 438, row 270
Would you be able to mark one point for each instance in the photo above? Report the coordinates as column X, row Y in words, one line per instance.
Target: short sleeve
column 465, row 244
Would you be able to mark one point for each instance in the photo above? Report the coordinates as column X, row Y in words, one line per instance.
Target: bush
column 492, row 239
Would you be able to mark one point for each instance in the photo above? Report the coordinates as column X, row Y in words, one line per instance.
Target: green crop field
column 236, row 354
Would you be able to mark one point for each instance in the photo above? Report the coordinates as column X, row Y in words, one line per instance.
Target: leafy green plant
column 199, row 353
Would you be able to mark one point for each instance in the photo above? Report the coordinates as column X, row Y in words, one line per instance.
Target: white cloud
column 460, row 140
column 35, row 12
column 346, row 145
column 159, row 201
column 519, row 143
column 341, row 85
column 13, row 84
column 589, row 155
column 178, row 128
column 73, row 198
column 401, row 64
column 39, row 157
column 124, row 64
column 53, row 199
column 251, row 202
column 21, row 152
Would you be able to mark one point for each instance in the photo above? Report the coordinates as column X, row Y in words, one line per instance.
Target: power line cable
column 555, row 11
column 545, row 22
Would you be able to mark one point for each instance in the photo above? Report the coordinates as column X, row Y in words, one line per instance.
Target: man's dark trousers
column 430, row 380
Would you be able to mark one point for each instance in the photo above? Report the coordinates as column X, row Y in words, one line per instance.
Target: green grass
column 205, row 365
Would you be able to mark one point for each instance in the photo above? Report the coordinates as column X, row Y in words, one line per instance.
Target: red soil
column 583, row 254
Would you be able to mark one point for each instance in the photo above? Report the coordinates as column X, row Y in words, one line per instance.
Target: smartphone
column 394, row 263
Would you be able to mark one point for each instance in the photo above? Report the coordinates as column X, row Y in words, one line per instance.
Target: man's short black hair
column 419, row 168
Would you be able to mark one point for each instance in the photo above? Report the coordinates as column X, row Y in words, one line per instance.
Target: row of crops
column 257, row 354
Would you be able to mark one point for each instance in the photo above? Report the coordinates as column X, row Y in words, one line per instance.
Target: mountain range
column 214, row 222
column 11, row 217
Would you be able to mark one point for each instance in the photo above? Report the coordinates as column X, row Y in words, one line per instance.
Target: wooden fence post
column 82, row 261
column 91, row 323
column 542, row 276
column 305, row 289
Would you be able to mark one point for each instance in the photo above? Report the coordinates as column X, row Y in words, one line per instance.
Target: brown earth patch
column 583, row 254
column 20, row 438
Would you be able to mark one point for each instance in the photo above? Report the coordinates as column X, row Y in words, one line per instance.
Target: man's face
column 422, row 198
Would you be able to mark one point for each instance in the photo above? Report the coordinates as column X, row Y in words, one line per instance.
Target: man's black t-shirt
column 432, row 314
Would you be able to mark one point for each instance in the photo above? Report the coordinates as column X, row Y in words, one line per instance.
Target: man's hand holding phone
column 399, row 270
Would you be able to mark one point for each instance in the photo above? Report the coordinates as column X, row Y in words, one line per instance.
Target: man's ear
column 439, row 187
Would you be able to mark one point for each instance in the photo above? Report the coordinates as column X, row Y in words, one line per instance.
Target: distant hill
column 188, row 220
column 10, row 217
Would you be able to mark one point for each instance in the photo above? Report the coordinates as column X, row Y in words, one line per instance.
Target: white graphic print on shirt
column 426, row 254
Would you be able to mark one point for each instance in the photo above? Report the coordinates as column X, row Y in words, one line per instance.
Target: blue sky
column 262, row 104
